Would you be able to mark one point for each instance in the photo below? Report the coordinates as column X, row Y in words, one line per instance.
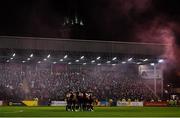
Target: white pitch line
column 19, row 111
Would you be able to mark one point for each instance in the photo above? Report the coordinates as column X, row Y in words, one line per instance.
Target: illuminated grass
column 99, row 112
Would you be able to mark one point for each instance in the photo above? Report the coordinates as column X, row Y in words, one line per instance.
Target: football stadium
column 89, row 58
column 53, row 77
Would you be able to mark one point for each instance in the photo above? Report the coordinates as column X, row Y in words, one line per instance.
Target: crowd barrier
column 121, row 103
column 100, row 103
column 58, row 103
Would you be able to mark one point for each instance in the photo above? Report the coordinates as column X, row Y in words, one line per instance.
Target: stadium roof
column 75, row 45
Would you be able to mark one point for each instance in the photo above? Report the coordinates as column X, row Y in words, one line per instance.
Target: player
column 74, row 101
column 68, row 106
column 80, row 101
column 90, row 102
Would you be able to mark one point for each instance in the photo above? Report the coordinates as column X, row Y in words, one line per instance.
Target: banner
column 15, row 104
column 44, row 103
column 1, row 103
column 156, row 104
column 147, row 72
column 138, row 104
column 30, row 102
column 120, row 103
column 104, row 103
column 58, row 103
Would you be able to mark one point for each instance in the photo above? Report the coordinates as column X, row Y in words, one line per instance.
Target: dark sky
column 120, row 20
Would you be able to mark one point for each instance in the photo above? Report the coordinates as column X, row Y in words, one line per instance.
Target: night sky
column 120, row 20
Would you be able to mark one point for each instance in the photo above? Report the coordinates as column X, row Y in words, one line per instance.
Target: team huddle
column 79, row 101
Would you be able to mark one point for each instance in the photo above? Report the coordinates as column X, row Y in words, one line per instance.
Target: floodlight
column 130, row 59
column 48, row 56
column 82, row 57
column 31, row 55
column 65, row 56
column 114, row 58
column 98, row 58
column 123, row 62
column 14, row 54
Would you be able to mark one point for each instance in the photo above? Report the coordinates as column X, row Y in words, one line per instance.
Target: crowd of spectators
column 27, row 81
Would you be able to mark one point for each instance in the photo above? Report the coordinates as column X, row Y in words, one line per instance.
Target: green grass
column 98, row 112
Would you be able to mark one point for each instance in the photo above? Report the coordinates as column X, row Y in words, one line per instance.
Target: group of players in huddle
column 79, row 101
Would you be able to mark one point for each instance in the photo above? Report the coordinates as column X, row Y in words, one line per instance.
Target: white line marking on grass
column 19, row 111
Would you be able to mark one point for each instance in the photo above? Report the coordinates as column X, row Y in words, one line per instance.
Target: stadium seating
column 27, row 81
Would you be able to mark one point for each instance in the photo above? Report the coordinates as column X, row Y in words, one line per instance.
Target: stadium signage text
column 15, row 104
column 58, row 103
column 120, row 103
column 156, row 104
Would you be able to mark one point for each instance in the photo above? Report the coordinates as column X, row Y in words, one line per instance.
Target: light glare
column 65, row 56
column 130, row 59
column 82, row 57
column 77, row 60
column 98, row 58
column 31, row 55
column 123, row 62
column 14, row 54
column 48, row 56
column 98, row 64
column 108, row 62
column 160, row 60
column 138, row 63
column 114, row 58
column 92, row 61
column 152, row 64
column 145, row 60
column 113, row 64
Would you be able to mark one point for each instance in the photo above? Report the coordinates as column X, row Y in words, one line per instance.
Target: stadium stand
column 23, row 81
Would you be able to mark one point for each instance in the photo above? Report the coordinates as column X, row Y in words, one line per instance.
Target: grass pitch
column 98, row 112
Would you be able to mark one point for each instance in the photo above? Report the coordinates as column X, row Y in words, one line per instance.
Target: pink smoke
column 161, row 31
